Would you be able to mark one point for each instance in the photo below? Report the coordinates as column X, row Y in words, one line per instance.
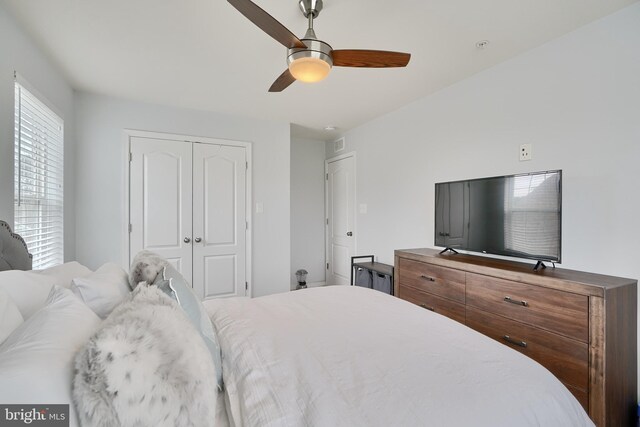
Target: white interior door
column 160, row 207
column 341, row 186
column 219, row 220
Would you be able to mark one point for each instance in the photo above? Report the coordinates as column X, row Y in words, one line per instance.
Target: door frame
column 326, row 205
column 126, row 214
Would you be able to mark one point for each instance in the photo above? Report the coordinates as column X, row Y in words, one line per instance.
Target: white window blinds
column 38, row 196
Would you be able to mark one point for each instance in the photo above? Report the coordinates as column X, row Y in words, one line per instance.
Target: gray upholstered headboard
column 14, row 254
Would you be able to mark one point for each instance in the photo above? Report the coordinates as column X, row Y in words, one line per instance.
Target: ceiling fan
column 310, row 59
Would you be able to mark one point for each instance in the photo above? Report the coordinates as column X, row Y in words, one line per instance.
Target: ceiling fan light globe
column 309, row 70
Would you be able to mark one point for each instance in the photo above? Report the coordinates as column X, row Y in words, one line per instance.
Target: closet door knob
column 349, row 233
column 197, row 240
column 187, row 240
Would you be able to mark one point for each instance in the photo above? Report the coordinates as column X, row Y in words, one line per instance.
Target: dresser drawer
column 581, row 395
column 550, row 309
column 441, row 281
column 443, row 306
column 567, row 359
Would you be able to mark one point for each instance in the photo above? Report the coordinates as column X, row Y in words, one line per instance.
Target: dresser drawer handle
column 522, row 303
column 431, row 279
column 427, row 307
column 508, row 339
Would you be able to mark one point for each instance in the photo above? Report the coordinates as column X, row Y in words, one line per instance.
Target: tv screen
column 516, row 215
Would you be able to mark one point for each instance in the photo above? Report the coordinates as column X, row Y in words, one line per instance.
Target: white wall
column 101, row 169
column 576, row 99
column 307, row 209
column 19, row 53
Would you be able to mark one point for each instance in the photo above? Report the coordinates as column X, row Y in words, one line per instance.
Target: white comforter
column 348, row 356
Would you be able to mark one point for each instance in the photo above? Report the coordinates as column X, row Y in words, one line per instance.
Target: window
column 38, row 195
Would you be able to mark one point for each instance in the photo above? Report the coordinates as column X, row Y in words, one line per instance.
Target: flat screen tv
column 515, row 215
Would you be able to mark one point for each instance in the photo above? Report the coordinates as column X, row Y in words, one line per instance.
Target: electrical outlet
column 525, row 152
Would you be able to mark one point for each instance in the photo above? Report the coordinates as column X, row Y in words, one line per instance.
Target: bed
column 349, row 356
column 330, row 356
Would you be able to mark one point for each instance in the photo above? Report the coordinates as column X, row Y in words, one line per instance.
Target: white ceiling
column 204, row 54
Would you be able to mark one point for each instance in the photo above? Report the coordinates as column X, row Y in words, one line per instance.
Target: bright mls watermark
column 34, row 415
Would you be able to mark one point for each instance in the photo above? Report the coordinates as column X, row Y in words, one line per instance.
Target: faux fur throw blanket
column 145, row 267
column 146, row 366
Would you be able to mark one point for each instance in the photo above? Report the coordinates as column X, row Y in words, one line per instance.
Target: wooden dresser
column 580, row 326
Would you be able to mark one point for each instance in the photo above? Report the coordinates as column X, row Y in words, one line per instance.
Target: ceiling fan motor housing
column 315, row 49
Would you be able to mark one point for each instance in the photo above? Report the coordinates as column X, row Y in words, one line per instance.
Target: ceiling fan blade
column 369, row 58
column 282, row 82
column 267, row 23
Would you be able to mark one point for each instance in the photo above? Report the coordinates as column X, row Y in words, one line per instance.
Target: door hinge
column 130, row 228
column 246, row 286
column 327, row 221
column 327, row 266
column 246, row 165
column 130, row 156
column 326, row 177
column 246, row 225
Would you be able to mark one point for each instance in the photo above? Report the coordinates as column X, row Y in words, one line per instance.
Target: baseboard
column 316, row 284
column 312, row 285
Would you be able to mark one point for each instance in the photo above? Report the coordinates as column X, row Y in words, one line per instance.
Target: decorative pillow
column 146, row 366
column 36, row 360
column 29, row 289
column 103, row 289
column 10, row 317
column 174, row 284
column 146, row 267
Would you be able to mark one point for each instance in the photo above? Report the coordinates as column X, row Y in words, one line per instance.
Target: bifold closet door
column 161, row 200
column 219, row 220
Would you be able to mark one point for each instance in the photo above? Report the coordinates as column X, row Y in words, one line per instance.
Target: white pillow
column 10, row 317
column 29, row 289
column 103, row 289
column 63, row 274
column 36, row 360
